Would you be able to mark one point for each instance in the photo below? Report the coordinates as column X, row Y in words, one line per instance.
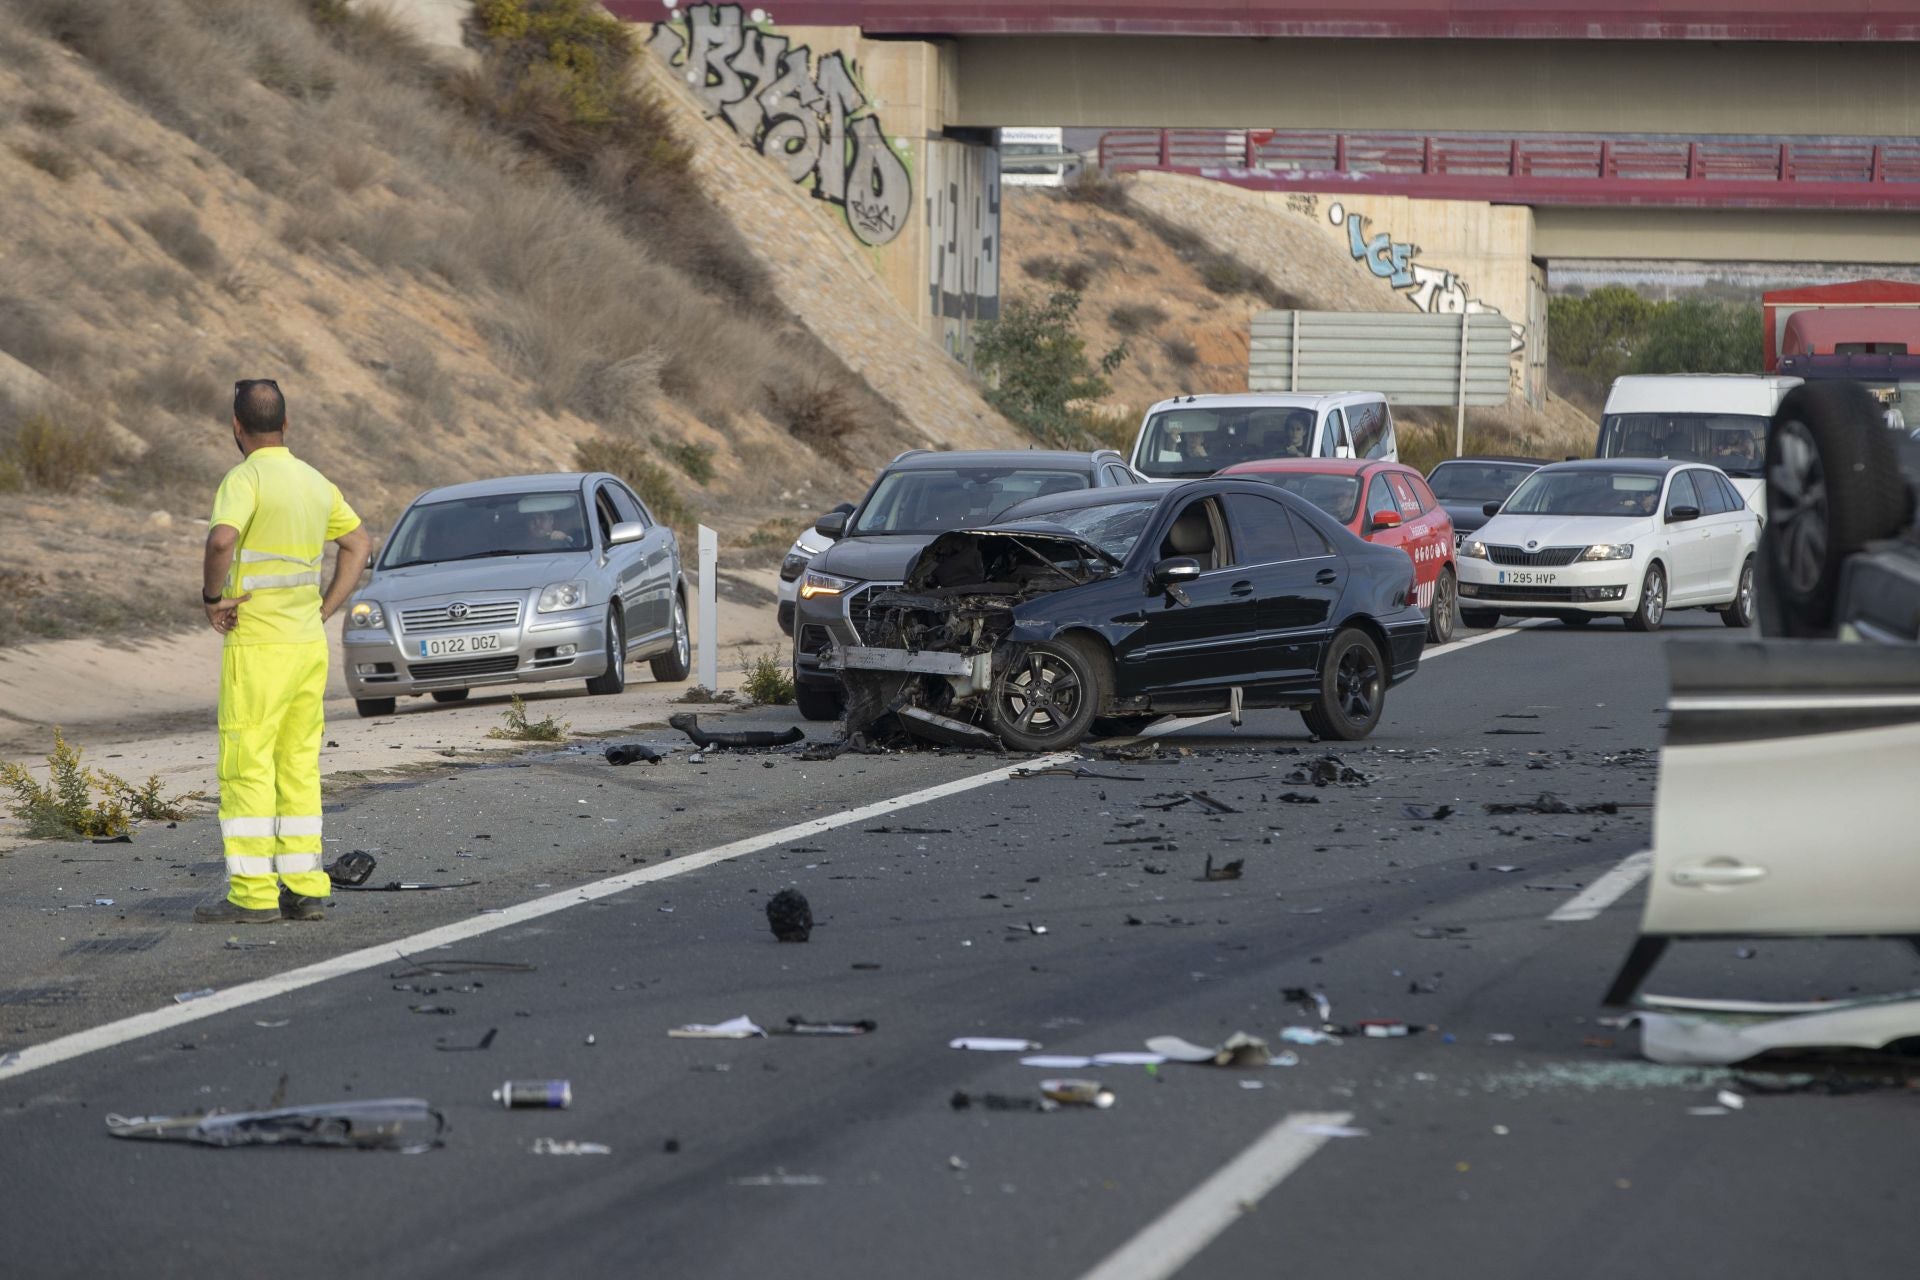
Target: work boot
column 227, row 911
column 297, row 906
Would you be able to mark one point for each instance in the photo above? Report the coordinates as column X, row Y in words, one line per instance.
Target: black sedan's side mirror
column 1680, row 515
column 1490, row 510
column 1173, row 571
column 832, row 524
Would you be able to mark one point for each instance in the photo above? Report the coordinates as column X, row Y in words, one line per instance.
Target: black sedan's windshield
column 507, row 524
column 1111, row 526
column 1477, row 482
column 1734, row 442
column 1586, row 493
column 935, row 499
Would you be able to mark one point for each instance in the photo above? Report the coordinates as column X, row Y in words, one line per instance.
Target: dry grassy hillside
column 195, row 191
column 1177, row 273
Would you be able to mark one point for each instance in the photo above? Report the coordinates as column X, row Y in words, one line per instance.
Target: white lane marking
column 1607, row 890
column 34, row 1057
column 1525, row 624
column 1794, row 701
column 1173, row 1239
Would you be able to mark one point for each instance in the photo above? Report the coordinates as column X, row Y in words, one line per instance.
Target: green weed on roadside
column 766, row 681
column 63, row 807
column 520, row 729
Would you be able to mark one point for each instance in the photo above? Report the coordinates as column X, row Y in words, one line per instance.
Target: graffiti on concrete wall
column 963, row 221
column 808, row 113
column 1432, row 289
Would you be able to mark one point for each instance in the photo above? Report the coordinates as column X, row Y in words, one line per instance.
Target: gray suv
column 516, row 581
column 920, row 495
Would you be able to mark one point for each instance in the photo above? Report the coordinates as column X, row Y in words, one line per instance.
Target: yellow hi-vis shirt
column 286, row 513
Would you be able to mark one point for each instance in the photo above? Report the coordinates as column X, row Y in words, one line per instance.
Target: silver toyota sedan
column 518, row 580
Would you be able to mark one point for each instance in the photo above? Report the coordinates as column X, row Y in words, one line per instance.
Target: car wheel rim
column 1745, row 602
column 680, row 643
column 616, row 652
column 1357, row 683
column 1798, row 508
column 1654, row 598
column 1041, row 696
column 1443, row 606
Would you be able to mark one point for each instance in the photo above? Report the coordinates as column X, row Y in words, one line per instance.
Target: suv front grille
column 1544, row 556
column 491, row 613
column 860, row 606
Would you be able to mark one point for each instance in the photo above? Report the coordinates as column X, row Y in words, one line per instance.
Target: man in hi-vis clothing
column 272, row 519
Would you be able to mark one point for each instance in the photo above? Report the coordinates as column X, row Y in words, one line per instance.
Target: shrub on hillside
column 56, row 455
column 818, row 412
column 1130, row 318
column 178, row 231
column 1040, row 365
column 628, row 459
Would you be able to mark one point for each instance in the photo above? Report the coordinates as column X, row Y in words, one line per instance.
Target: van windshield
column 1734, row 442
column 1196, row 441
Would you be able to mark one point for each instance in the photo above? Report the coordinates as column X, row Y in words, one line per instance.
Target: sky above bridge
column 1476, row 19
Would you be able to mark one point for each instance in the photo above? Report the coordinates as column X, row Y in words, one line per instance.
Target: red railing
column 1844, row 174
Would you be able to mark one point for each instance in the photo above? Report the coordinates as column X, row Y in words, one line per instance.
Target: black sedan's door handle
column 1326, row 577
column 1241, row 588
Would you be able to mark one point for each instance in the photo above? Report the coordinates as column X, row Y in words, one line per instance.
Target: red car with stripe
column 1382, row 502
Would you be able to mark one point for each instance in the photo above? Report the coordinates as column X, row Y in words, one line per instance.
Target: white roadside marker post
column 709, row 609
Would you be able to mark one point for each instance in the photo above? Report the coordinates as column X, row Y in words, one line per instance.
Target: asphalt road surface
column 1515, row 1135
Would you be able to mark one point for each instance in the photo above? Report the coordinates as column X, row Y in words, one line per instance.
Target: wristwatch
column 207, row 599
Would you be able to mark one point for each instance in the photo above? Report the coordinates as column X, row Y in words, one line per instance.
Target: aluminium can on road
column 540, row 1095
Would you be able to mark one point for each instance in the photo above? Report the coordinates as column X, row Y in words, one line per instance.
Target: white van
column 1717, row 418
column 1197, row 435
column 1035, row 157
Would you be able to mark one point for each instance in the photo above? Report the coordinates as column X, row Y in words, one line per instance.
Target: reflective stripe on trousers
column 271, row 724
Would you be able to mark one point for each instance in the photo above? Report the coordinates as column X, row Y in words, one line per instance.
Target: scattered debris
column 780, row 1179
column 740, row 1028
column 184, row 996
column 1132, row 752
column 1448, row 931
column 1304, row 996
column 444, row 968
column 408, row 886
column 1037, row 930
column 629, row 752
column 1077, row 1093
column 555, row 1147
column 993, row 1044
column 272, row 1025
column 1307, row 1035
column 534, row 1095
column 1174, row 803
column 350, row 870
column 486, row 1042
column 961, row 1100
column 797, row 1026
column 1080, row 1062
column 1298, row 797
column 1208, row 803
column 1549, row 805
column 790, row 916
column 689, row 723
column 1225, row 871
column 1721, row 1032
column 908, row 831
column 1420, row 813
column 945, row 731
column 384, row 1124
column 1327, row 771
column 1237, row 1050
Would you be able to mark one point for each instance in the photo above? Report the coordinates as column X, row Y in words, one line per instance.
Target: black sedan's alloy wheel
column 1353, row 689
column 1047, row 698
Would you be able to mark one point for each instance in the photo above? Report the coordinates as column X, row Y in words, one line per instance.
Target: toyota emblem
column 456, row 611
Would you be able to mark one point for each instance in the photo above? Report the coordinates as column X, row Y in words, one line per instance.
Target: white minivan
column 1199, row 434
column 1717, row 418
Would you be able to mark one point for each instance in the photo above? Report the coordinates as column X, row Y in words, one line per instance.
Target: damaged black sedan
column 1114, row 606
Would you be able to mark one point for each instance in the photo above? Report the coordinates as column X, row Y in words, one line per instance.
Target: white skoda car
column 1630, row 538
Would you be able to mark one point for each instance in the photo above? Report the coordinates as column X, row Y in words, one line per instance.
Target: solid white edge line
column 1607, row 890
column 1173, row 1239
column 167, row 1017
column 32, row 1058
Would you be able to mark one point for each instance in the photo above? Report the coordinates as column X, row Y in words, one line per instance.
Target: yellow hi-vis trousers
column 271, row 721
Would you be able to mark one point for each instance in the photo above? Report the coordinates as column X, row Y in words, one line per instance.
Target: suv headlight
column 794, row 565
column 1473, row 551
column 1608, row 551
column 825, row 584
column 562, row 595
column 366, row 613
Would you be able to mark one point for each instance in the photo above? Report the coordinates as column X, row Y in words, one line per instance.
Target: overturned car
column 1119, row 605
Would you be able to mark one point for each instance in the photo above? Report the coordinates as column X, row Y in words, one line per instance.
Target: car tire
column 450, row 695
column 1652, row 609
column 1740, row 613
column 1833, row 485
column 370, row 708
column 672, row 666
column 614, row 678
column 1353, row 689
column 1440, row 618
column 1048, row 698
column 1575, row 619
column 817, row 702
column 1480, row 619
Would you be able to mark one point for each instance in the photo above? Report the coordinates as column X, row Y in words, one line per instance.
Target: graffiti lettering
column 963, row 215
column 811, row 116
column 1431, row 289
column 1304, row 204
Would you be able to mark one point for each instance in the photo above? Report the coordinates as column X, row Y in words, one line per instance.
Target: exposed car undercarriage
column 935, row 645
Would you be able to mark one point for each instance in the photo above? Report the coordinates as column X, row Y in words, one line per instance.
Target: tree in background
column 1040, row 367
column 1595, row 338
column 1697, row 336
